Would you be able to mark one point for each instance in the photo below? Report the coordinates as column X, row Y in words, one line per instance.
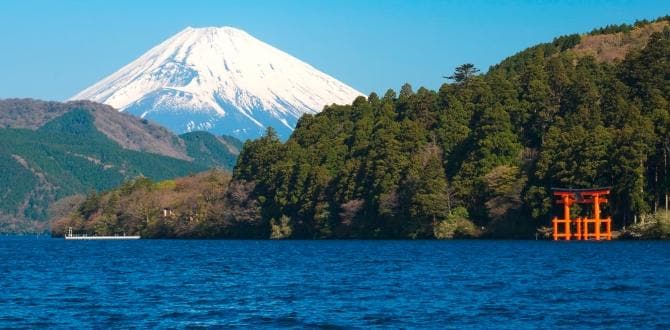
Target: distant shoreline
column 48, row 236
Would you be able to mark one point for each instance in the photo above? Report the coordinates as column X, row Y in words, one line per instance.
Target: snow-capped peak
column 219, row 79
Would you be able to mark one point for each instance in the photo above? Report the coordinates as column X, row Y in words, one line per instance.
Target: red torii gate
column 568, row 197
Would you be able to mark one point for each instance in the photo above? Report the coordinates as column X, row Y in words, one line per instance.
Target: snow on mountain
column 221, row 80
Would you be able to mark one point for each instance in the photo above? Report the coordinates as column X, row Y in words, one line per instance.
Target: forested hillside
column 51, row 150
column 205, row 205
column 479, row 156
column 128, row 131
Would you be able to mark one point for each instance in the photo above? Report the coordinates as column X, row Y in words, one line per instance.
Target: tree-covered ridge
column 211, row 151
column 616, row 28
column 611, row 46
column 478, row 156
column 205, row 205
column 614, row 46
column 126, row 130
column 68, row 156
column 62, row 152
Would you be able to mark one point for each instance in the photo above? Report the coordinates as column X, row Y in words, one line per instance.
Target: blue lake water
column 333, row 284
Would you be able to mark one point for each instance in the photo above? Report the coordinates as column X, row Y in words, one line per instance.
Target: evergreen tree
column 463, row 73
column 427, row 188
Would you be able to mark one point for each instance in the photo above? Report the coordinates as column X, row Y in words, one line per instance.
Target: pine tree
column 427, row 187
column 463, row 73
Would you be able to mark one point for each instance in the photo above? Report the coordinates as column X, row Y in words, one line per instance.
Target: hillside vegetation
column 126, row 130
column 477, row 158
column 50, row 150
column 205, row 205
column 610, row 47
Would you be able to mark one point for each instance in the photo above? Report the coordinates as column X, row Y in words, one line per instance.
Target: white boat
column 70, row 235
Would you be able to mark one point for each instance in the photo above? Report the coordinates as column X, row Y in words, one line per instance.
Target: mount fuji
column 220, row 80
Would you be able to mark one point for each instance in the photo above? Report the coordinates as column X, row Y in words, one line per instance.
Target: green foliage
column 477, row 158
column 626, row 28
column 567, row 42
column 463, row 73
column 204, row 205
column 210, row 151
column 456, row 225
column 281, row 229
column 494, row 144
column 652, row 226
column 614, row 28
column 166, row 185
column 426, row 184
column 258, row 156
column 67, row 156
column 503, row 187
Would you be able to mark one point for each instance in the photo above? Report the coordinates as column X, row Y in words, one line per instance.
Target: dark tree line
column 478, row 156
column 475, row 158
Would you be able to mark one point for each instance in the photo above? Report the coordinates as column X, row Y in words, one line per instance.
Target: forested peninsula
column 476, row 158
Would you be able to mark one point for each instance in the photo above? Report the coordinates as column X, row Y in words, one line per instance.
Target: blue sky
column 52, row 49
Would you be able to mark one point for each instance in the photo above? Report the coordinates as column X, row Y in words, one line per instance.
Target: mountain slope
column 221, row 80
column 68, row 156
column 51, row 150
column 609, row 47
column 128, row 131
column 212, row 151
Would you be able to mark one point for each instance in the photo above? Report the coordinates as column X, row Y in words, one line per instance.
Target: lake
column 333, row 284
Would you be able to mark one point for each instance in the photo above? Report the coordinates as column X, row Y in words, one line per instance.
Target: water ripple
column 333, row 284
